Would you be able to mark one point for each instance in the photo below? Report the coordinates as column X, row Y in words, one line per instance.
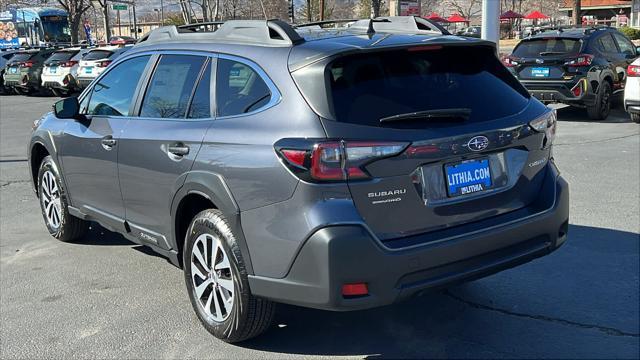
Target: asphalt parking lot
column 106, row 297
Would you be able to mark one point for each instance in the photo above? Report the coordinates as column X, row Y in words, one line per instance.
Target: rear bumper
column 632, row 106
column 337, row 255
column 560, row 91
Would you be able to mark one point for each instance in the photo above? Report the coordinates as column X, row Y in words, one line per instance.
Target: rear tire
column 54, row 205
column 602, row 107
column 635, row 117
column 219, row 287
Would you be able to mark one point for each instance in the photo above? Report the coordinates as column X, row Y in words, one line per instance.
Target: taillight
column 69, row 63
column 334, row 160
column 633, row 70
column 580, row 60
column 104, row 63
column 26, row 64
column 547, row 123
column 510, row 61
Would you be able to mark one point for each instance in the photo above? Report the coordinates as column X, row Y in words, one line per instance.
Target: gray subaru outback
column 333, row 167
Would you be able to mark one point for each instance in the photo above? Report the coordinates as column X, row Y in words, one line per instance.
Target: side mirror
column 68, row 108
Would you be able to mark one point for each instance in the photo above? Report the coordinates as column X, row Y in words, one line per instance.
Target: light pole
column 161, row 13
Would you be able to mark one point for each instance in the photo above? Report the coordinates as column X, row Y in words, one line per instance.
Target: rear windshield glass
column 98, row 54
column 21, row 57
column 368, row 87
column 547, row 47
column 62, row 56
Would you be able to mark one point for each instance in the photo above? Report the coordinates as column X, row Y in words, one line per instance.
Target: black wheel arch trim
column 213, row 187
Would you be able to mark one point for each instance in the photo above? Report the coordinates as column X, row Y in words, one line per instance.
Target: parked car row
column 582, row 67
column 54, row 71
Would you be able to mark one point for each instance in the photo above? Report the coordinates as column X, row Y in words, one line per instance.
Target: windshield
column 547, row 47
column 97, row 55
column 62, row 55
column 56, row 29
column 368, row 87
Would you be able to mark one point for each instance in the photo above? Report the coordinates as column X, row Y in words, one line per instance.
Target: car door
column 614, row 57
column 158, row 147
column 89, row 148
column 627, row 54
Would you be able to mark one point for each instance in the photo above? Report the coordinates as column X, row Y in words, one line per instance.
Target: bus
column 38, row 26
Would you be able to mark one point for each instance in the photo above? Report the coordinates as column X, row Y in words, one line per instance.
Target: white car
column 95, row 61
column 632, row 91
column 61, row 70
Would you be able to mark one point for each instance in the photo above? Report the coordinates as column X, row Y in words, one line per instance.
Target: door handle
column 179, row 149
column 108, row 142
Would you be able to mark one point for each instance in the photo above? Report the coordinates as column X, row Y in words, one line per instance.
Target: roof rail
column 593, row 28
column 412, row 23
column 213, row 25
column 325, row 22
column 401, row 24
column 254, row 32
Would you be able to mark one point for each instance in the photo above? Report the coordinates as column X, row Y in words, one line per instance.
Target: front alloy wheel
column 50, row 200
column 54, row 205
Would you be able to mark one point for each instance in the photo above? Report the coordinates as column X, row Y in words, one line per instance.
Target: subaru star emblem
column 478, row 143
column 539, row 61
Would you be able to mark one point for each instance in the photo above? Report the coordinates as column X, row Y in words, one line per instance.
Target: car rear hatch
column 16, row 62
column 94, row 62
column 427, row 139
column 60, row 63
column 552, row 58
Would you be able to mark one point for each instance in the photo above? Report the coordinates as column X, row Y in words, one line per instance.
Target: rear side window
column 171, row 86
column 62, row 55
column 201, row 103
column 113, row 93
column 239, row 89
column 607, row 44
column 368, row 87
column 547, row 47
column 626, row 47
column 98, row 54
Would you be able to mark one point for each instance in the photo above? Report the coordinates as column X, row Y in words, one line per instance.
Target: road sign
column 119, row 7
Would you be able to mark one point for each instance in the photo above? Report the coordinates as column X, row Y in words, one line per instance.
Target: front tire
column 217, row 281
column 602, row 107
column 54, row 205
column 635, row 117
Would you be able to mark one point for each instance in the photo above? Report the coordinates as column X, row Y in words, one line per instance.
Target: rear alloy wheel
column 217, row 281
column 53, row 203
column 600, row 110
column 635, row 117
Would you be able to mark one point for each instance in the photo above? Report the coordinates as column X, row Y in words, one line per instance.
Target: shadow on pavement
column 450, row 324
column 569, row 113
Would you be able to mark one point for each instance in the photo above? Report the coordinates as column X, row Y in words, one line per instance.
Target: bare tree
column 466, row 8
column 75, row 8
column 104, row 8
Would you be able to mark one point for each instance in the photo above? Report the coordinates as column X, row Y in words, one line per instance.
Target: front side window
column 239, row 89
column 171, row 86
column 113, row 93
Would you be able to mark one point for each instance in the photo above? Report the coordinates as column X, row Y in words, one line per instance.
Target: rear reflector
column 357, row 289
column 295, row 157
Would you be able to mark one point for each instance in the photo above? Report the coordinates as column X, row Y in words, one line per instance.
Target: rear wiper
column 545, row 53
column 455, row 113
